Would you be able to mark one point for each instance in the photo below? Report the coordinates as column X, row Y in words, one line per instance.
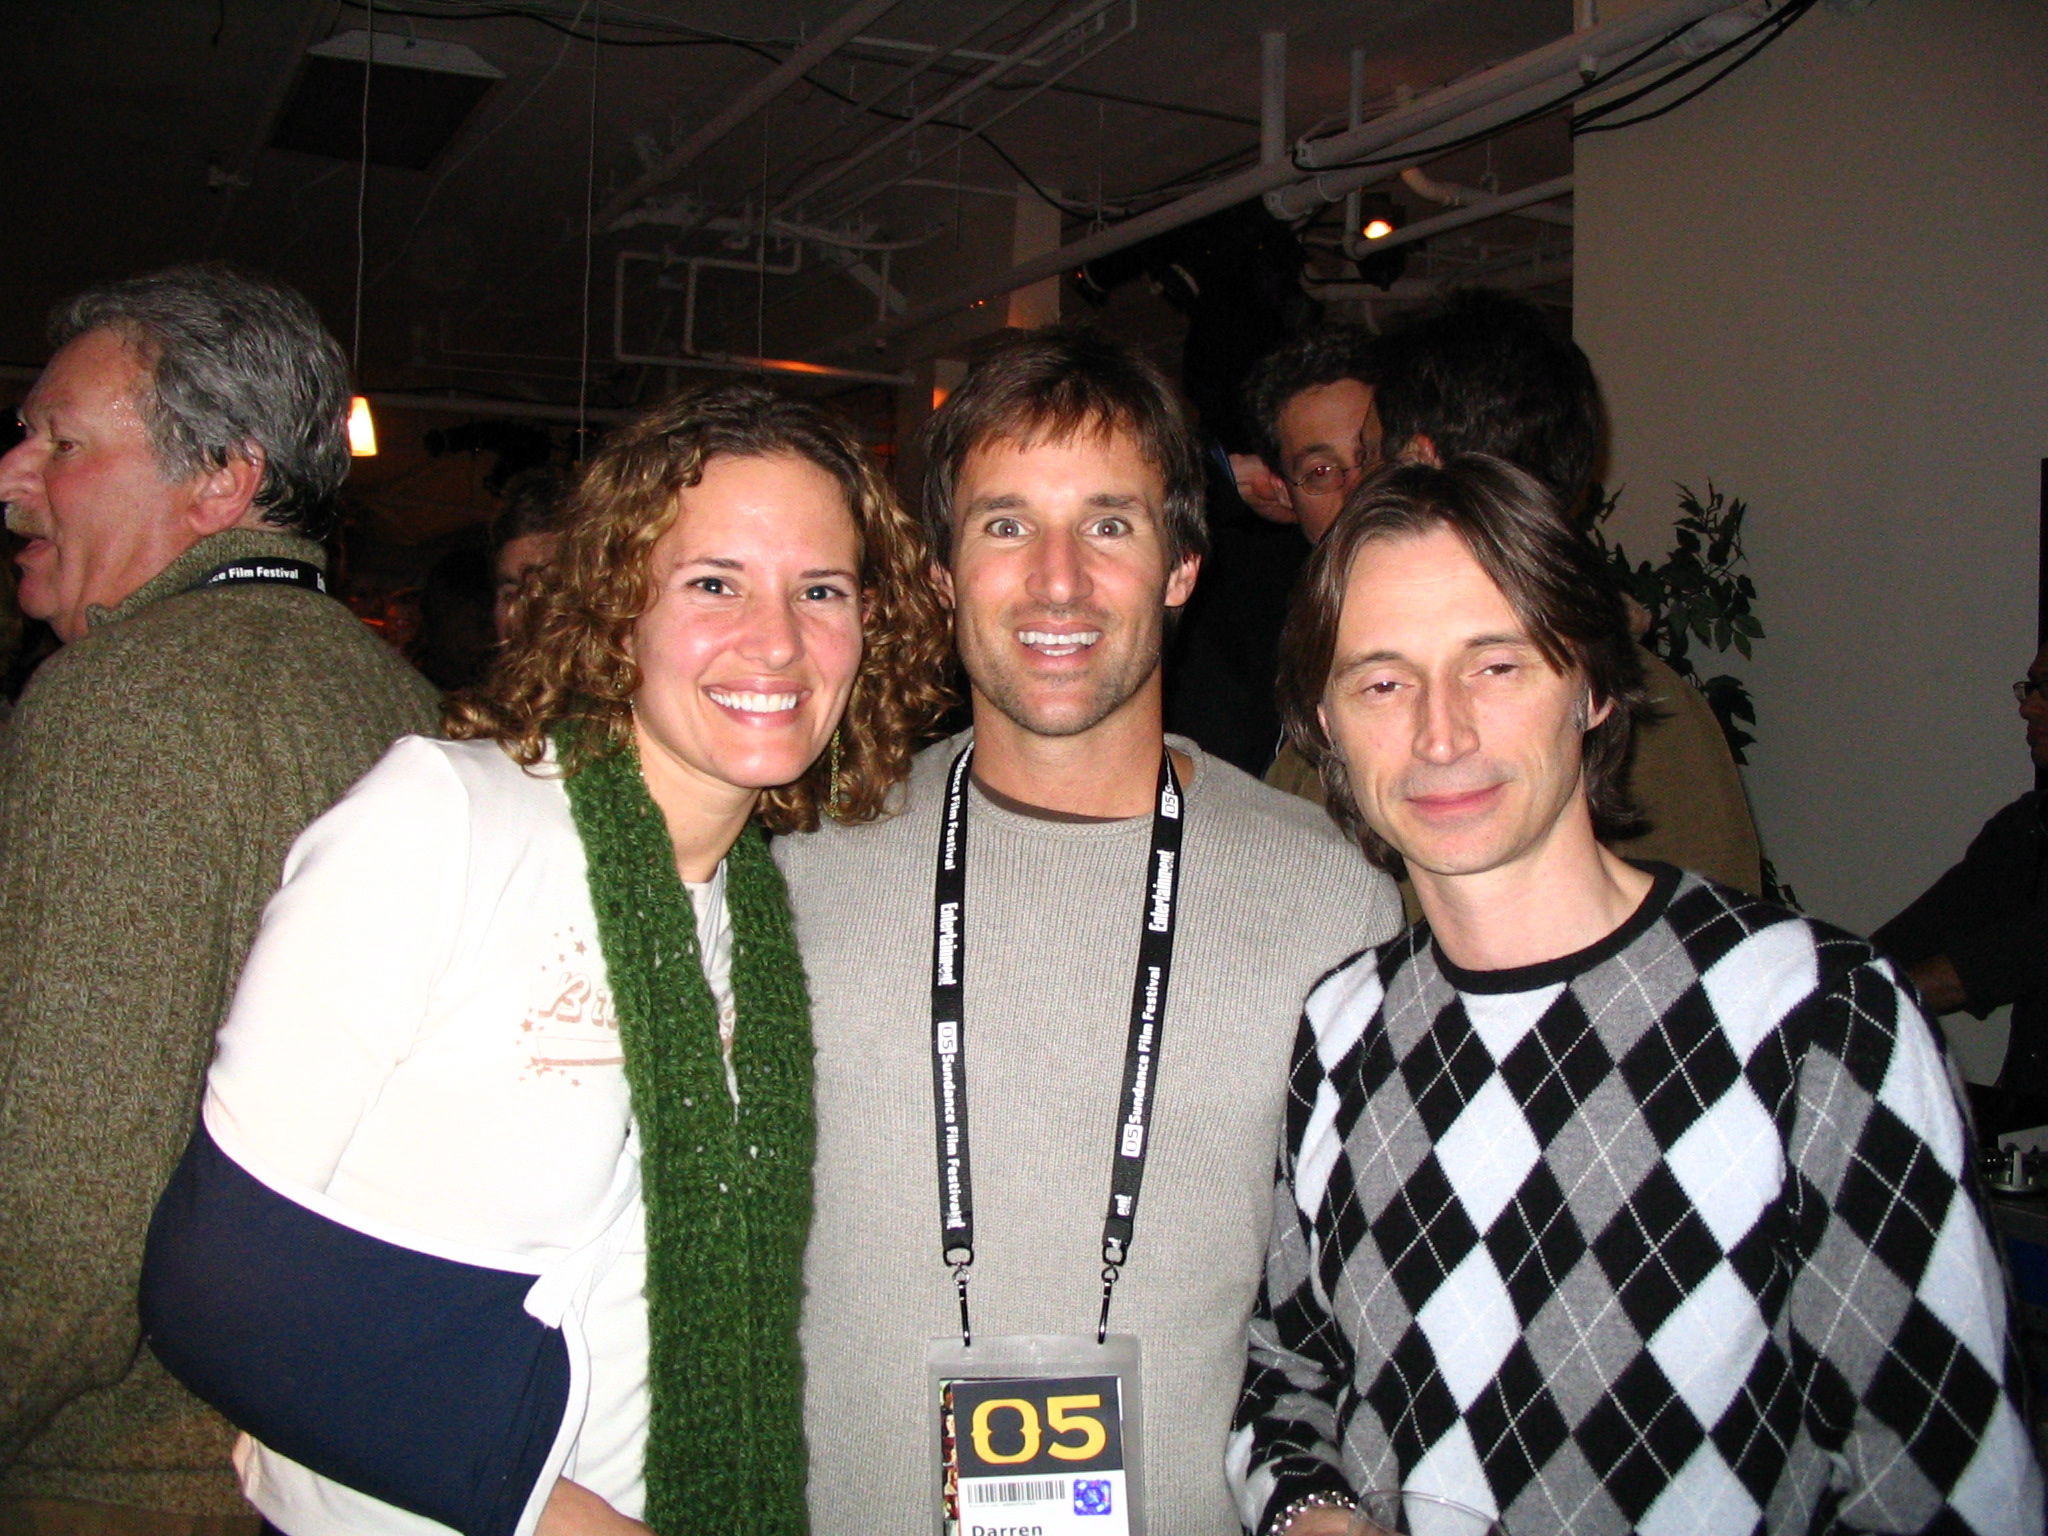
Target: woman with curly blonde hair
column 508, row 1140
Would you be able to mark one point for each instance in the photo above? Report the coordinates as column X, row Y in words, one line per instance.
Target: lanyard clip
column 960, row 1282
column 1109, row 1278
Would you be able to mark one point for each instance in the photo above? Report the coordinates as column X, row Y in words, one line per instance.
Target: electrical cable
column 703, row 39
column 1432, row 151
column 1778, row 26
column 355, row 350
column 763, row 51
column 569, row 30
column 1780, row 21
column 767, row 51
column 1681, row 71
column 589, row 217
column 456, row 164
column 1009, row 40
column 761, row 250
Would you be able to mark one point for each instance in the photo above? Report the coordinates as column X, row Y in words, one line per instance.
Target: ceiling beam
column 744, row 106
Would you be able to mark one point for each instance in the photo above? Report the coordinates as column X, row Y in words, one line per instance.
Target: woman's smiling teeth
column 754, row 703
column 1047, row 643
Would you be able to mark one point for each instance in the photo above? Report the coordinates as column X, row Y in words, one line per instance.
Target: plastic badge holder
column 1037, row 1435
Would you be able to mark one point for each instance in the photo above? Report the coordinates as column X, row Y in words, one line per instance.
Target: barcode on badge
column 1016, row 1490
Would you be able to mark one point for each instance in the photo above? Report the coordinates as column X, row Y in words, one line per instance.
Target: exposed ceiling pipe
column 1072, row 26
column 1445, row 194
column 1272, row 97
column 939, row 184
column 1472, row 213
column 1305, row 197
column 1449, row 194
column 949, row 48
column 750, row 101
column 1398, row 127
column 952, row 98
column 747, row 231
column 1580, row 52
column 838, row 241
column 1417, row 290
column 726, row 362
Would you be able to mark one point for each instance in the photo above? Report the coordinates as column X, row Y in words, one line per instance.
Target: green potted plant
column 1698, row 596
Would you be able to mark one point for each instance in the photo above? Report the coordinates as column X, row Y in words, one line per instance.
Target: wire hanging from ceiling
column 470, row 151
column 1776, row 25
column 1767, row 33
column 355, row 350
column 702, row 37
column 761, row 250
column 572, row 29
column 589, row 215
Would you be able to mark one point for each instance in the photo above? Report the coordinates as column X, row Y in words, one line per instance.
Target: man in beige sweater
column 1139, row 923
column 1485, row 373
column 184, row 449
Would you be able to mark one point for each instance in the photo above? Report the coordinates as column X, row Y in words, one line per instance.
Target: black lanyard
column 1141, row 1051
column 263, row 571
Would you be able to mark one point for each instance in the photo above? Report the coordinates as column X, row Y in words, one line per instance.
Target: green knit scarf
column 728, row 1196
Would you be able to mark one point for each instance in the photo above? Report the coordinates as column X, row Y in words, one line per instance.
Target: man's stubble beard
column 1111, row 691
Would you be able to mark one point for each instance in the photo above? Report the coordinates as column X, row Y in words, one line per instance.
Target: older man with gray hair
column 183, row 453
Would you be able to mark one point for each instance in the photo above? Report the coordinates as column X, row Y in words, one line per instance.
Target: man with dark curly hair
column 1311, row 404
column 1485, row 372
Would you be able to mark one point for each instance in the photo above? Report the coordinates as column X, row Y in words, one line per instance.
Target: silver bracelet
column 1303, row 1505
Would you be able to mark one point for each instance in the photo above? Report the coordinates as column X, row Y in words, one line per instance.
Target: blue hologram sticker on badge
column 1091, row 1496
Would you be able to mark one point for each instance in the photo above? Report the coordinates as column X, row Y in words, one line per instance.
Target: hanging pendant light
column 362, row 429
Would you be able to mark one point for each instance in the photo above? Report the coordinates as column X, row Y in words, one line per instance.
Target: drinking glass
column 1396, row 1512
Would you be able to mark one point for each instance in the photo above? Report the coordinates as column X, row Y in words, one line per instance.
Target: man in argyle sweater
column 1612, row 1199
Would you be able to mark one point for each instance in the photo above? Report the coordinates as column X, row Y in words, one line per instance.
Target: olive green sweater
column 151, row 781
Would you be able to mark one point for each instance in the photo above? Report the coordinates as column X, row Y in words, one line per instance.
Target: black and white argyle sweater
column 1673, row 1235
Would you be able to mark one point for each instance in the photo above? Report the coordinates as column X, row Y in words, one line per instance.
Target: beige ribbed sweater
column 153, row 777
column 1272, row 897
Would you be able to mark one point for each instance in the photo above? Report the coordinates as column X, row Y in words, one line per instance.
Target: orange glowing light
column 362, row 430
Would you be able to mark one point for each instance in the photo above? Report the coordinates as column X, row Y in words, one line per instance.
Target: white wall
column 1824, row 285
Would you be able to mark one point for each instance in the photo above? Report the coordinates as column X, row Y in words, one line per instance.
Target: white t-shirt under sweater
column 1271, row 897
column 423, row 1047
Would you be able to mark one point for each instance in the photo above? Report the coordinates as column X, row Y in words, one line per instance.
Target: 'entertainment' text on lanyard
column 1141, row 1052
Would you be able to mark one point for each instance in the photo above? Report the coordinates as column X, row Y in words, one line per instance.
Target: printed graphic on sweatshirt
column 571, row 1029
